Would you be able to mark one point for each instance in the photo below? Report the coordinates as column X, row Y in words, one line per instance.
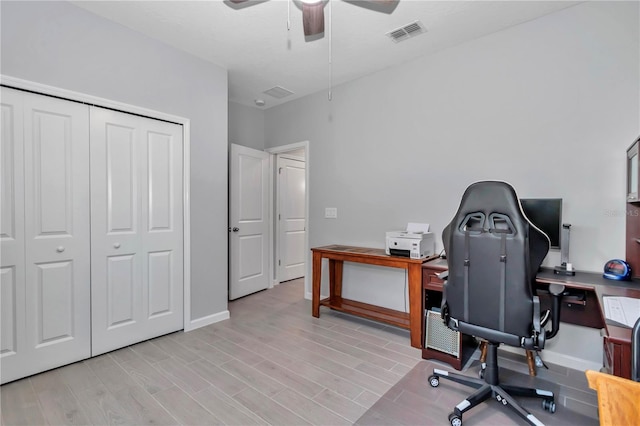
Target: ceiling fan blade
column 313, row 18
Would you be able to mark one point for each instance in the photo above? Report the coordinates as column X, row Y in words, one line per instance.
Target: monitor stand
column 565, row 267
column 562, row 270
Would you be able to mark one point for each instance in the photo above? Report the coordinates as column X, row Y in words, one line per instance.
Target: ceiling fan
column 313, row 11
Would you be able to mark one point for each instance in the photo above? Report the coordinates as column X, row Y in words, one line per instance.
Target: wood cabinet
column 616, row 358
column 633, row 171
column 633, row 238
column 632, row 242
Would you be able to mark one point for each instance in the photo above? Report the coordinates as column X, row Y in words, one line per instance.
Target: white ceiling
column 251, row 40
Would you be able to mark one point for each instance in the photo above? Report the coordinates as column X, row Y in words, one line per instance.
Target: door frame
column 274, row 246
column 43, row 89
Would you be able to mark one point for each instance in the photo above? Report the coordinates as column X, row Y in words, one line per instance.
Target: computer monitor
column 545, row 214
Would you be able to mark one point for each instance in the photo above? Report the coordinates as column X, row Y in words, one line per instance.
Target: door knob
column 236, row 229
column 60, row 249
column 116, row 245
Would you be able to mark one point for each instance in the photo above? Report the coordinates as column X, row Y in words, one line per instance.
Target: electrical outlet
column 331, row 213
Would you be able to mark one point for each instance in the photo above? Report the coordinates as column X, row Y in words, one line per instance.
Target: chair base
column 491, row 388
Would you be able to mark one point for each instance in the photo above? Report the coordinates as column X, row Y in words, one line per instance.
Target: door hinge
column 278, row 217
column 279, row 262
column 280, row 171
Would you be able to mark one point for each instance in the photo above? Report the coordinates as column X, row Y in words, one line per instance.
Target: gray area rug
column 412, row 401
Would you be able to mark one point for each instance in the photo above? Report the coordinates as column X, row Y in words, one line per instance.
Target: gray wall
column 58, row 44
column 246, row 126
column 549, row 106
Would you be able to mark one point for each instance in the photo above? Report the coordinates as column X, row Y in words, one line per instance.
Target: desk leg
column 335, row 279
column 315, row 291
column 415, row 304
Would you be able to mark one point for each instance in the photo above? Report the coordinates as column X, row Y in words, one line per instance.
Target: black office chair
column 493, row 254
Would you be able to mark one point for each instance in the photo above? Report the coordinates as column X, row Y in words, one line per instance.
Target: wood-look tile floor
column 271, row 363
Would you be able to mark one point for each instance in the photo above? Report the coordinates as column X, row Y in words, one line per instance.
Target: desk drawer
column 430, row 280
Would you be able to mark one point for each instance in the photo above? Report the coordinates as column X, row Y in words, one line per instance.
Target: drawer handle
column 60, row 249
column 638, row 240
column 116, row 245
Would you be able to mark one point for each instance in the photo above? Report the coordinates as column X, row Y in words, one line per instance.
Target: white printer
column 416, row 242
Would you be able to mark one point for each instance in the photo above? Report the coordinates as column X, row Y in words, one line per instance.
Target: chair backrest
column 493, row 254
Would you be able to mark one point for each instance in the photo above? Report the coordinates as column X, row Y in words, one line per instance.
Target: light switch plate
column 331, row 213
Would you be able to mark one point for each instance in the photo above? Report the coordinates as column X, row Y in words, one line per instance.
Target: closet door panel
column 136, row 179
column 120, row 179
column 56, row 171
column 12, row 264
column 8, row 290
column 54, row 301
column 116, row 267
column 121, row 289
column 163, row 224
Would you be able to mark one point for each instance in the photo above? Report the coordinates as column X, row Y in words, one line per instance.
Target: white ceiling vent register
column 407, row 31
column 278, row 92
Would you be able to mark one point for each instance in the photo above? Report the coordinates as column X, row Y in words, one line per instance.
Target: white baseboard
column 561, row 359
column 275, row 283
column 204, row 321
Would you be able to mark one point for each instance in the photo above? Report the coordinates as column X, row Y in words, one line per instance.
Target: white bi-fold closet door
column 91, row 231
column 136, row 229
column 45, row 234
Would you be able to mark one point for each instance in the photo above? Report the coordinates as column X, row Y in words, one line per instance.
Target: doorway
column 290, row 195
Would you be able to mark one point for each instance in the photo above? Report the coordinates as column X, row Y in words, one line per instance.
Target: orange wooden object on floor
column 618, row 398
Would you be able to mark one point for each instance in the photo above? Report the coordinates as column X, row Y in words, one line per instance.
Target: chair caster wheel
column 481, row 373
column 434, row 381
column 549, row 405
column 455, row 420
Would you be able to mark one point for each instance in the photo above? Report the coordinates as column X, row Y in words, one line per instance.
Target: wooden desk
column 587, row 311
column 337, row 255
column 616, row 338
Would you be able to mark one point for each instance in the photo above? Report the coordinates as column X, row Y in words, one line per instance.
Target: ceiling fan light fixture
column 313, row 18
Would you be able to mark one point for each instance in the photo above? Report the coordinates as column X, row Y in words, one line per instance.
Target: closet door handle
column 116, row 245
column 60, row 249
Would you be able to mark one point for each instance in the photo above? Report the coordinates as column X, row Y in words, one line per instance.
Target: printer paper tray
column 399, row 252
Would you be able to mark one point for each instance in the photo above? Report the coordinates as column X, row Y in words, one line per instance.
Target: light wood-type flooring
column 271, row 363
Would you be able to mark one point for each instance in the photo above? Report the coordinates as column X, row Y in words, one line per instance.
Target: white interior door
column 12, row 269
column 136, row 229
column 292, row 218
column 51, row 295
column 248, row 221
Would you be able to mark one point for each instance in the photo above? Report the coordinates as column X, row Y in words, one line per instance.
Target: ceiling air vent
column 410, row 30
column 278, row 92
